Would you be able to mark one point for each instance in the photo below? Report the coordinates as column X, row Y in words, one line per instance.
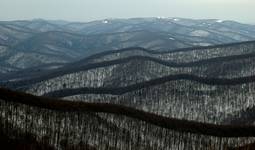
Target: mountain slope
column 45, row 42
column 216, row 81
column 134, row 128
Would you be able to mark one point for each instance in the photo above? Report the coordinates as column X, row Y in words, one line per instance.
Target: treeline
column 190, row 58
column 132, row 72
column 215, row 67
column 133, row 49
column 138, row 86
column 164, row 122
column 179, row 99
column 180, row 55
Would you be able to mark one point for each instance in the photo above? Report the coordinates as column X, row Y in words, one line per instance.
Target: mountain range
column 136, row 98
column 50, row 44
column 139, row 83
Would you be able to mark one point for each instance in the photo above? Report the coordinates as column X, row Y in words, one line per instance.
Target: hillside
column 121, row 84
column 48, row 42
column 62, row 120
column 216, row 81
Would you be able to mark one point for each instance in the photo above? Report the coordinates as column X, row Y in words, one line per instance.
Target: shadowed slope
column 68, row 69
column 168, row 123
column 158, row 81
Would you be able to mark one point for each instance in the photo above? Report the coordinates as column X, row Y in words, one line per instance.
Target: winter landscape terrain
column 127, row 84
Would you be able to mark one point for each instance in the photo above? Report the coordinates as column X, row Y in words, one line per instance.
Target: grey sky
column 86, row 10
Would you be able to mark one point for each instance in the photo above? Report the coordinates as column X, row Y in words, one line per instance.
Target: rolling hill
column 119, row 84
column 47, row 42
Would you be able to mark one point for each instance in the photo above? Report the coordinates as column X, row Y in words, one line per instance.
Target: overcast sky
column 87, row 10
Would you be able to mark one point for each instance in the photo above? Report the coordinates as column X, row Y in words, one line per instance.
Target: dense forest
column 134, row 98
column 70, row 125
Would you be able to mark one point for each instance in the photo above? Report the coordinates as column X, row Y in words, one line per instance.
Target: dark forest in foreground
column 55, row 117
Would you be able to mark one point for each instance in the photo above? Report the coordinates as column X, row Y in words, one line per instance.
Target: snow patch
column 171, row 38
column 175, row 19
column 202, row 44
column 200, row 33
column 219, row 21
column 105, row 21
column 160, row 17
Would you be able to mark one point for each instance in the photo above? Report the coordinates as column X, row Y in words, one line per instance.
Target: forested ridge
column 130, row 88
column 135, row 98
column 90, row 66
column 18, row 101
column 164, row 122
column 109, row 52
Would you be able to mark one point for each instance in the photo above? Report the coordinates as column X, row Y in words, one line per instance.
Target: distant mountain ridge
column 34, row 43
column 228, row 53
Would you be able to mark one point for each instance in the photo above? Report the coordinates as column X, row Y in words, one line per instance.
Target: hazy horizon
column 164, row 17
column 90, row 10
